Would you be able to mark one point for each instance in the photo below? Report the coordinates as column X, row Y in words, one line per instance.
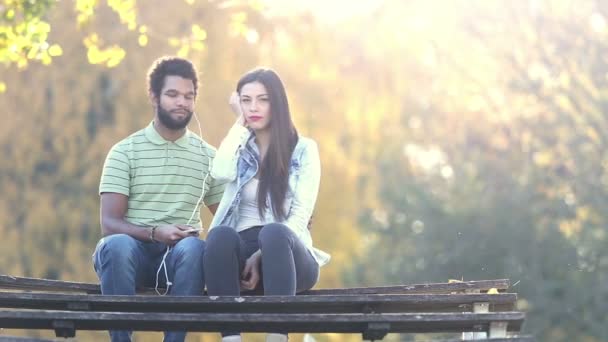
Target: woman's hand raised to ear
column 235, row 105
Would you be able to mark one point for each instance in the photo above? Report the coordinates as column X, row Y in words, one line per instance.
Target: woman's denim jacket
column 236, row 161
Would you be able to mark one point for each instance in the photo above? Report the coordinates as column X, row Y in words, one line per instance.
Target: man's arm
column 113, row 209
column 213, row 208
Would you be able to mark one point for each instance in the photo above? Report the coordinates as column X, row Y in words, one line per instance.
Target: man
column 151, row 188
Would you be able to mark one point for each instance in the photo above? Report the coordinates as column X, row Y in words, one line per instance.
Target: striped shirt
column 163, row 179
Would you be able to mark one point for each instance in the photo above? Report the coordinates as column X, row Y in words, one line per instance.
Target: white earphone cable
column 163, row 263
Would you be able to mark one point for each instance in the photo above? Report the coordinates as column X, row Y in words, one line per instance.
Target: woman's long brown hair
column 274, row 169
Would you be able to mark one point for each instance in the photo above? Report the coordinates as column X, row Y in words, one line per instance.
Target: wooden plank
column 21, row 339
column 297, row 323
column 524, row 338
column 262, row 304
column 22, row 283
column 481, row 285
column 508, row 339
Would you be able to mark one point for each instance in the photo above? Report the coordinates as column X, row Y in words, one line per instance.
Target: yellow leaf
column 570, row 227
column 198, row 32
column 198, row 46
column 543, row 158
column 583, row 213
column 22, row 63
column 174, row 42
column 33, row 52
column 454, row 281
column 240, row 17
column 112, row 62
column 184, row 51
column 117, row 54
column 257, row 6
column 55, row 50
column 91, row 40
column 2, row 87
column 493, row 291
column 94, row 55
column 143, row 40
column 46, row 59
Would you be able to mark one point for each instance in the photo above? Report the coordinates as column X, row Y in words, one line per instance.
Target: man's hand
column 113, row 209
column 170, row 234
column 251, row 272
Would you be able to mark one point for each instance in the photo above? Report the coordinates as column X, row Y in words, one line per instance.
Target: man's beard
column 165, row 118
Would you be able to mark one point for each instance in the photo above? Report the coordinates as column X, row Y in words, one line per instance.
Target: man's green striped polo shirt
column 162, row 179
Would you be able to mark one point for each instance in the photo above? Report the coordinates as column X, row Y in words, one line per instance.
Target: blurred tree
column 24, row 32
column 60, row 121
column 25, row 29
column 461, row 139
column 504, row 175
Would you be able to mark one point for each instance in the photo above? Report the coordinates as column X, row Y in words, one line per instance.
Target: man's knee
column 191, row 247
column 118, row 247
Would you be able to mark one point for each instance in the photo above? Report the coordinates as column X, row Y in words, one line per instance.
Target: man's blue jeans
column 123, row 263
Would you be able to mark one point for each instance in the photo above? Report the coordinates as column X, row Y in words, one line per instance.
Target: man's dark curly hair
column 170, row 66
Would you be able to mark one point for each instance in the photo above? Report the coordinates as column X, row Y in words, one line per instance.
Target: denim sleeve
column 306, row 191
column 226, row 158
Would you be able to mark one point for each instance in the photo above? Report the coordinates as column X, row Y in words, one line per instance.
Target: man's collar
column 154, row 137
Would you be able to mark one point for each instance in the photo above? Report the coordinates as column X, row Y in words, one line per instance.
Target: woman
column 261, row 225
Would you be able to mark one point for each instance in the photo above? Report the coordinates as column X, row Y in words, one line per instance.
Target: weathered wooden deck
column 456, row 307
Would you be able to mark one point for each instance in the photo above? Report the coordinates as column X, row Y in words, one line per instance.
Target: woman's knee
column 275, row 233
column 222, row 238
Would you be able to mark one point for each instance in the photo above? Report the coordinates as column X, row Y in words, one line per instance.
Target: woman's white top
column 249, row 216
